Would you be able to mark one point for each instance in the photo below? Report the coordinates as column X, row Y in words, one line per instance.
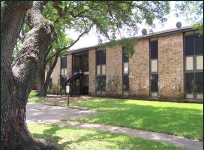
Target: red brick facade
column 139, row 69
column 170, row 62
column 114, row 67
column 92, row 70
column 170, row 65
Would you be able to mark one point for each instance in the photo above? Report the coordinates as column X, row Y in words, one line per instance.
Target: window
column 189, row 63
column 101, row 71
column 198, row 44
column 125, row 66
column 188, row 78
column 199, row 81
column 189, row 45
column 100, row 62
column 154, row 49
column 199, row 62
column 125, row 57
column 101, row 85
column 63, row 62
column 64, row 71
column 100, row 57
column 64, row 66
column 126, row 82
column 154, row 83
column 193, row 51
column 154, row 67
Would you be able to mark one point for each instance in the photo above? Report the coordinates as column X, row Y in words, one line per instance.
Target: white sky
column 91, row 39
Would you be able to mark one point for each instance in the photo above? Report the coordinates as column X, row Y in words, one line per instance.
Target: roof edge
column 150, row 35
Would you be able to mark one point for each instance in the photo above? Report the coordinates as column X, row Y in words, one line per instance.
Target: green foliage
column 100, row 85
column 194, row 87
column 114, row 86
column 112, row 20
column 86, row 139
column 32, row 94
column 163, row 117
column 193, row 12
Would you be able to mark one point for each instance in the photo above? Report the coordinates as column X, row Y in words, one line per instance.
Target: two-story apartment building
column 167, row 63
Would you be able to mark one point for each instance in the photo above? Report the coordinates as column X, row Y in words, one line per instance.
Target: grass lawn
column 32, row 94
column 85, row 139
column 181, row 119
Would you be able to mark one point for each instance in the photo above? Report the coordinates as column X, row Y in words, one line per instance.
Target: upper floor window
column 154, row 49
column 63, row 62
column 100, row 57
column 193, row 62
column 100, row 62
column 125, row 57
column 193, row 44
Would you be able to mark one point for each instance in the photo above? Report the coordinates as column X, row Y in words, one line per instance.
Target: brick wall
column 56, row 72
column 139, row 69
column 92, row 70
column 69, row 66
column 114, row 65
column 170, row 62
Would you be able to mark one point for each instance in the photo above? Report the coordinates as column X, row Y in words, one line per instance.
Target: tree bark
column 42, row 81
column 42, row 91
column 18, row 77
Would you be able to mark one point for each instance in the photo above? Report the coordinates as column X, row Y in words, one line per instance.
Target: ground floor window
column 194, row 85
column 126, row 82
column 154, row 85
column 100, row 85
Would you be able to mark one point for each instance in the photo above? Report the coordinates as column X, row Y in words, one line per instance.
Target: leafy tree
column 43, row 42
column 108, row 18
column 18, row 76
column 193, row 12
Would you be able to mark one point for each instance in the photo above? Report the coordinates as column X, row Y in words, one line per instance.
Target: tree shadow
column 78, row 138
column 181, row 121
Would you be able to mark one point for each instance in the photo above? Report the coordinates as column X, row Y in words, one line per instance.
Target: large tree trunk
column 42, row 82
column 42, row 90
column 18, row 78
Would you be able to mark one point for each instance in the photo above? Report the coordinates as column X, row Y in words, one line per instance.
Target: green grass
column 32, row 94
column 181, row 119
column 86, row 139
column 32, row 98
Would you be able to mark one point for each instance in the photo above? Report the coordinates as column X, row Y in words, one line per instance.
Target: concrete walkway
column 42, row 114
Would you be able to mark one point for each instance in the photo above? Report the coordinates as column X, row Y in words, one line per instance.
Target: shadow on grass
column 84, row 139
column 164, row 117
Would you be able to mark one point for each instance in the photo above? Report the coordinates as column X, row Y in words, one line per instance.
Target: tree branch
column 59, row 50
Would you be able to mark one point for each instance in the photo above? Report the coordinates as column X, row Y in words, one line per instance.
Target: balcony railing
column 83, row 68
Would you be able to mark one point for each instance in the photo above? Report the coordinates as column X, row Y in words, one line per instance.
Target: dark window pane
column 188, row 79
column 154, row 49
column 198, row 44
column 97, row 57
column 64, row 62
column 63, row 80
column 199, row 81
column 100, row 57
column 101, row 82
column 154, row 83
column 126, row 81
column 189, row 45
column 125, row 58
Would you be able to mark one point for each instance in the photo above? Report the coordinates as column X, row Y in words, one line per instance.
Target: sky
column 91, row 39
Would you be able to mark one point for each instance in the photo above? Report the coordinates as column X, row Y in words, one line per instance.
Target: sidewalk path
column 38, row 113
column 52, row 114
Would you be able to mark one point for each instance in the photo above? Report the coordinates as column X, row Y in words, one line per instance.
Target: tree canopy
column 192, row 11
column 109, row 18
